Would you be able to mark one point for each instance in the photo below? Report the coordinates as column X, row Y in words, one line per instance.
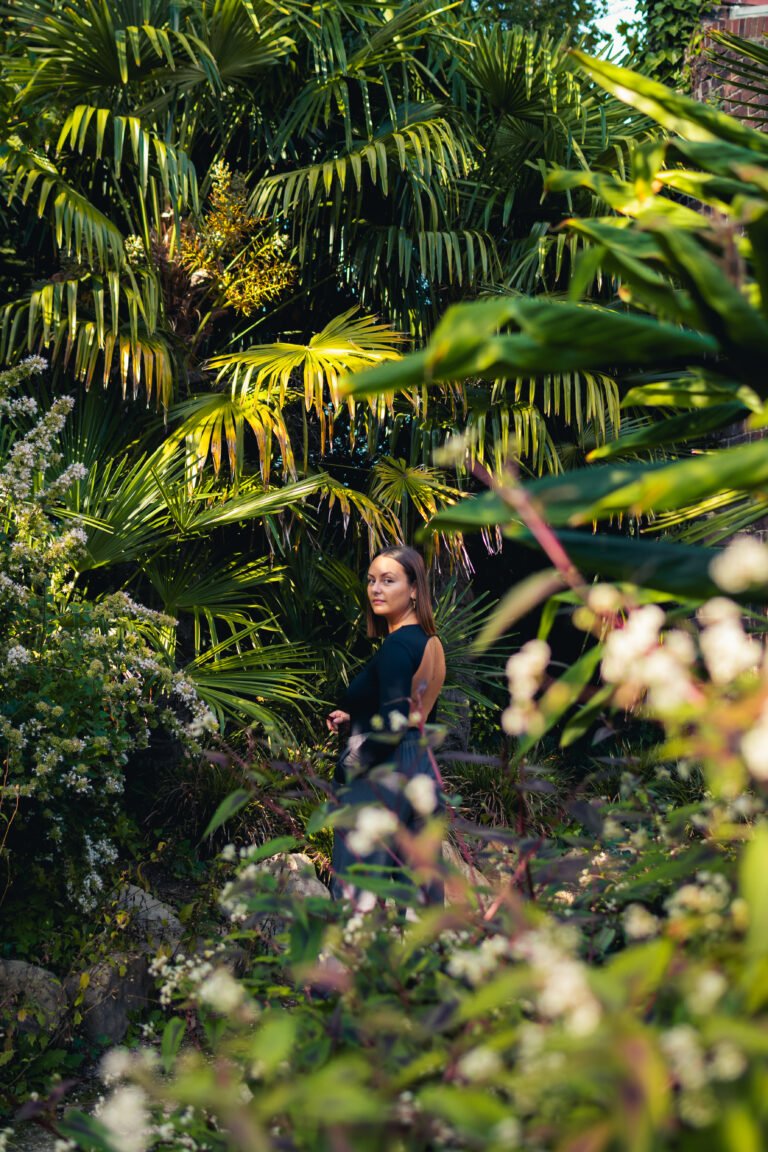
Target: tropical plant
column 396, row 170
column 686, row 339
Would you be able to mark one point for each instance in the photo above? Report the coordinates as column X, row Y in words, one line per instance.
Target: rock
column 295, row 875
column 151, row 920
column 34, row 992
column 116, row 986
column 296, row 879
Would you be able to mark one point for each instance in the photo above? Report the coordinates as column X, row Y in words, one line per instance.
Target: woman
column 396, row 690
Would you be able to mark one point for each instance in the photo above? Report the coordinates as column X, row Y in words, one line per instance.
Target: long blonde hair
column 413, row 566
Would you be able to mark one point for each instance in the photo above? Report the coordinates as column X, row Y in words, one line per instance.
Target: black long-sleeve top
column 383, row 687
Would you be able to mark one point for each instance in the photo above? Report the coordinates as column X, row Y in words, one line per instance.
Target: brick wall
column 708, row 80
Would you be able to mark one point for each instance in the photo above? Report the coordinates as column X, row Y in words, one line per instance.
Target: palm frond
column 86, row 127
column 346, row 344
column 79, row 227
column 241, row 677
column 381, row 523
column 213, row 422
column 80, row 315
column 741, row 65
column 397, row 485
column 213, row 591
column 422, row 143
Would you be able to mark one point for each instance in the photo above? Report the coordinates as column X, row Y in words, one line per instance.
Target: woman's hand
column 336, row 719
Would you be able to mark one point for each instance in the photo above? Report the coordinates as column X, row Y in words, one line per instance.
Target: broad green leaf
column 670, row 431
column 173, row 1034
column 273, row 1041
column 679, row 570
column 677, row 113
column 752, row 873
column 691, row 390
column 586, row 716
column 273, row 847
column 634, row 976
column 470, row 1110
column 740, row 1129
column 551, row 337
column 588, row 495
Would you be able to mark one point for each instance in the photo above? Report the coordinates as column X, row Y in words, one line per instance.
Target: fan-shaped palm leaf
column 214, row 421
column 397, row 485
column 229, row 591
column 345, row 345
column 256, row 679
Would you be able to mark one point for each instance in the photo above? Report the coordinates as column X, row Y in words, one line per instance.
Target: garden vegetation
column 283, row 283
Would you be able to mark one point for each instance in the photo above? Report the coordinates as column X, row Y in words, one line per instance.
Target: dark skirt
column 383, row 785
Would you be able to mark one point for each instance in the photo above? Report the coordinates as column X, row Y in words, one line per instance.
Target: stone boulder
column 117, row 986
column 295, row 878
column 151, row 920
column 35, row 993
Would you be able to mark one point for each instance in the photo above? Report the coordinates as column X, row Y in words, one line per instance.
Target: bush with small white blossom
column 85, row 684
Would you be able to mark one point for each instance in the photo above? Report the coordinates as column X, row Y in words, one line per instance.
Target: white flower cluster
column 33, row 453
column 421, row 793
column 182, row 974
column 707, row 899
column 476, row 964
column 125, row 1116
column 373, row 824
column 694, row 1069
column 525, row 672
column 121, row 1063
column 639, row 923
column 742, row 565
column 235, row 893
column 727, row 650
column 705, row 991
column 17, row 656
column 479, row 1064
column 64, row 481
column 636, row 660
column 564, row 991
column 97, row 855
column 221, row 992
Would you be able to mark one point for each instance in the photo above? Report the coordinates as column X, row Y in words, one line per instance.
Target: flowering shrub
column 84, row 683
column 630, row 1016
column 480, row 1025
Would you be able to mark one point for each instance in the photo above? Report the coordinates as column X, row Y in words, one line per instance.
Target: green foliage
column 667, row 32
column 398, row 168
column 489, row 1023
column 688, row 335
column 85, row 683
column 574, row 14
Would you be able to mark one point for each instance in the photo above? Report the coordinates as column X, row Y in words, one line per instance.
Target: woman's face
column 389, row 589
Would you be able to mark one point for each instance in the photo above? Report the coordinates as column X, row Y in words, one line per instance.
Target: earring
column 413, row 603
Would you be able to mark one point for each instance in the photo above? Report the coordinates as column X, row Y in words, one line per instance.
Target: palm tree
column 394, row 153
